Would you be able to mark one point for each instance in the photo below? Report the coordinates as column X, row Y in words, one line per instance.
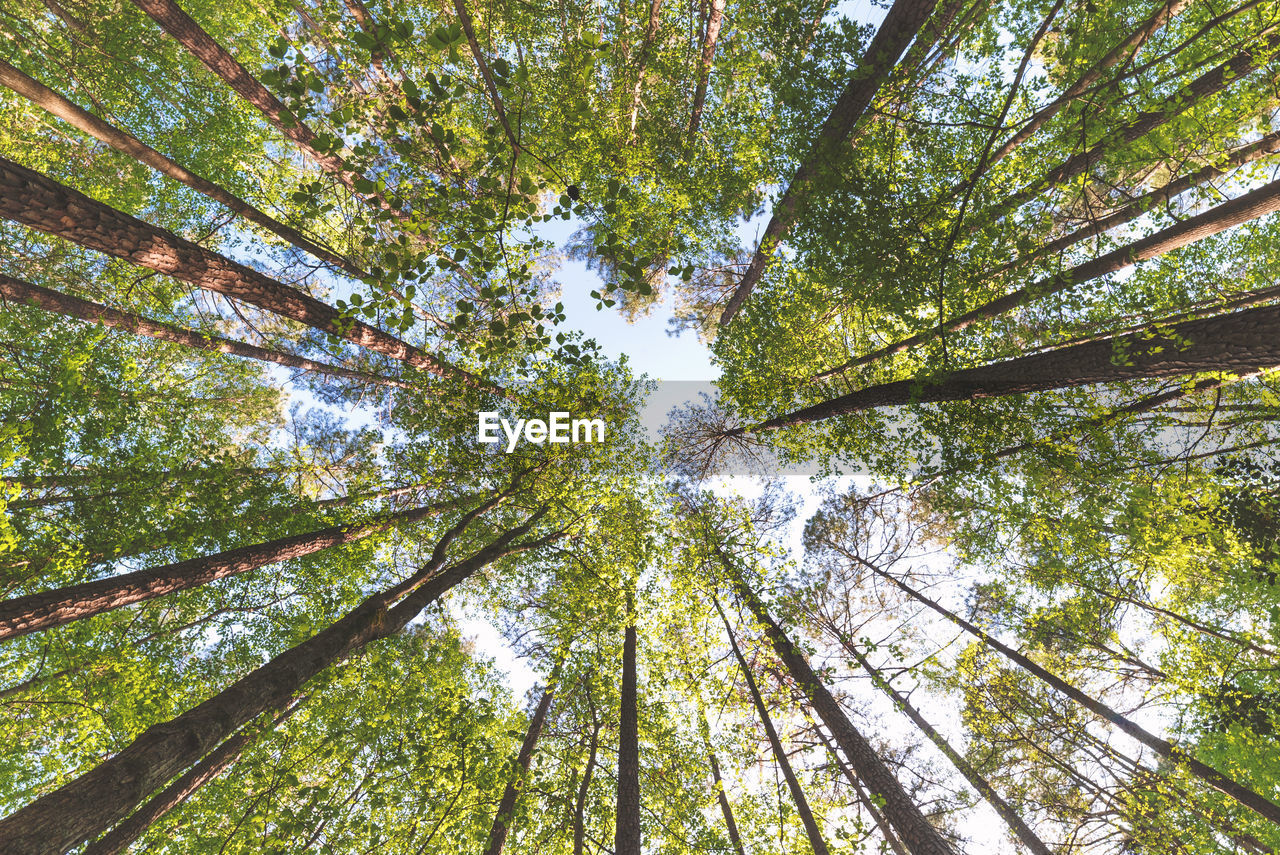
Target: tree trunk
column 1210, row 83
column 123, row 835
column 1166, row 750
column 916, row 832
column 1165, row 12
column 1241, row 342
column 1024, row 833
column 506, row 807
column 75, row 307
column 486, row 75
column 580, row 806
column 709, row 38
column 48, row 609
column 876, row 816
column 90, row 124
column 642, row 65
column 37, row 201
column 899, row 28
column 189, row 34
column 626, row 840
column 1257, row 203
column 725, row 808
column 91, row 803
column 816, row 842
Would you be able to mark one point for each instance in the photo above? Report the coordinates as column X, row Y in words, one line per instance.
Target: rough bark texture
column 626, row 839
column 88, row 805
column 119, row 838
column 1240, row 343
column 1167, row 750
column 714, row 19
column 816, row 842
column 47, row 609
column 916, row 832
column 39, row 202
column 900, row 26
column 69, row 112
column 1024, row 833
column 1257, row 203
column 75, row 307
column 506, row 807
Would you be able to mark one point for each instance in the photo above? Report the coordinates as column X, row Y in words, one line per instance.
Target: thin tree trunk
column 1256, row 203
column 37, row 201
column 1024, row 833
column 714, row 19
column 189, row 34
column 48, row 609
column 506, row 807
column 900, row 26
column 816, row 842
column 876, row 816
column 726, row 809
column 580, row 805
column 123, row 835
column 916, row 832
column 1166, row 750
column 1165, row 12
column 626, row 840
column 468, row 28
column 1208, row 84
column 642, row 65
column 1241, row 342
column 95, row 127
column 91, row 803
column 75, row 307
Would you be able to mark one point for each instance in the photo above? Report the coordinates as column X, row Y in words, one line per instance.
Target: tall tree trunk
column 123, row 835
column 916, row 832
column 816, row 842
column 626, row 839
column 1165, row 11
column 486, row 75
column 1024, row 833
column 48, row 609
column 584, row 788
column 37, row 201
column 877, row 817
column 898, row 29
column 189, row 34
column 95, row 127
column 1208, row 84
column 642, row 65
column 506, row 807
column 1240, row 343
column 1166, row 750
column 1256, row 203
column 75, row 307
column 712, row 34
column 730, row 824
column 91, row 803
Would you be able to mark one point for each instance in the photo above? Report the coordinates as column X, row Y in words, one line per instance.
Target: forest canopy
column 999, row 278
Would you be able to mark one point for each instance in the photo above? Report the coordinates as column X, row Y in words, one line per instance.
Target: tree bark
column 1165, row 12
column 816, row 841
column 56, row 104
column 1256, row 203
column 123, row 835
column 75, row 307
column 916, row 832
column 1024, row 833
column 726, row 809
column 506, row 807
column 714, row 19
column 580, row 805
column 877, row 817
column 900, row 26
column 48, row 609
column 91, row 803
column 1165, row 749
column 642, row 65
column 626, row 840
column 1241, row 342
column 37, row 201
